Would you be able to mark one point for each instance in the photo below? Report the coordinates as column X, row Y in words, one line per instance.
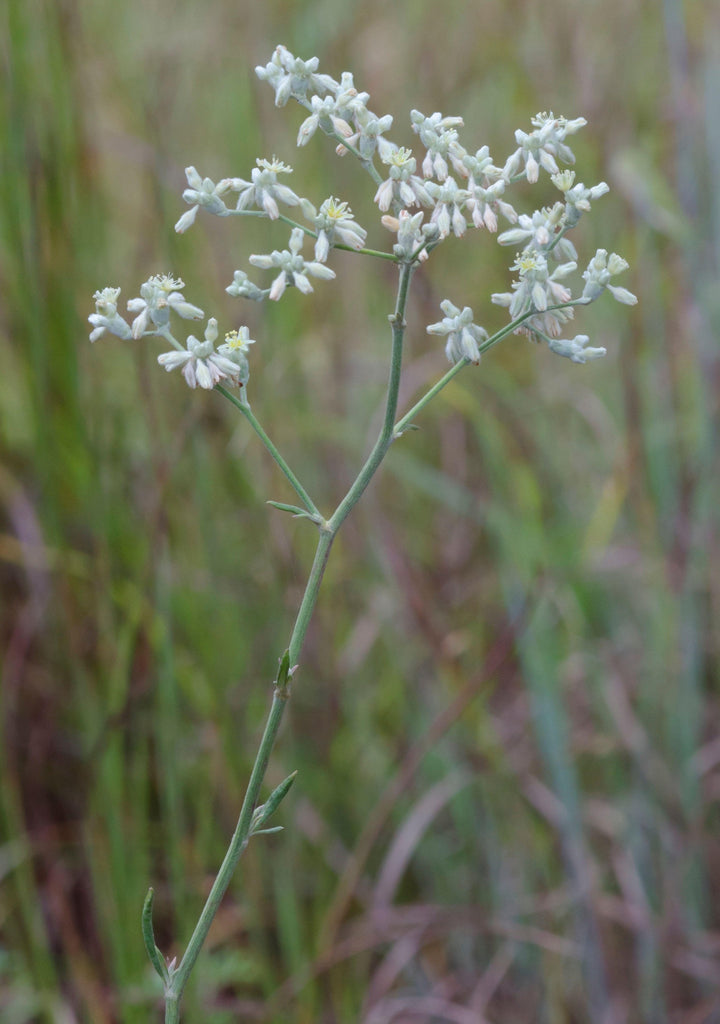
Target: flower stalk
column 176, row 980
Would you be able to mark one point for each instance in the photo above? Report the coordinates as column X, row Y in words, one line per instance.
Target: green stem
column 239, row 841
column 244, row 407
column 402, row 424
column 178, row 978
column 379, row 254
column 387, row 435
column 177, row 983
column 307, row 605
column 288, row 473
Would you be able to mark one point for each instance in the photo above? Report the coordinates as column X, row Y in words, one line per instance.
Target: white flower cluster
column 463, row 335
column 292, row 77
column 201, row 362
column 577, row 197
column 202, row 192
column 402, row 187
column 159, row 297
column 337, row 108
column 542, row 147
column 541, row 230
column 597, row 278
column 264, row 191
column 422, row 200
column 537, row 288
column 335, row 225
column 106, row 319
column 294, row 269
column 576, row 349
column 413, row 236
column 204, row 365
column 464, row 189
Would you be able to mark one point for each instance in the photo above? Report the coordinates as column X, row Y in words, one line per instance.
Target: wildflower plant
column 454, row 191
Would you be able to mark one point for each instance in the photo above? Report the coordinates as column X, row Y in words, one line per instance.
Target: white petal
column 459, row 223
column 264, row 262
column 226, row 366
column 187, row 219
column 140, row 323
column 384, row 194
column 302, row 283
column 622, row 295
column 563, row 270
column 278, row 286
column 531, row 169
column 193, row 178
column 539, row 296
column 171, row 360
column 490, row 219
column 319, row 270
column 322, row 247
column 270, row 206
column 203, row 375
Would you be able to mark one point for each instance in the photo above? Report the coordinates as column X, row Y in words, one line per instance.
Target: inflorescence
column 455, row 190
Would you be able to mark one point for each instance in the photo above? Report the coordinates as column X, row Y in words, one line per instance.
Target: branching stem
column 176, row 979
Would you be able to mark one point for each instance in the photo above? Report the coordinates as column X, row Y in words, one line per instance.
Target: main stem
column 177, row 979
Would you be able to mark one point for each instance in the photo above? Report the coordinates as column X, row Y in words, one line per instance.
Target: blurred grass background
column 506, row 725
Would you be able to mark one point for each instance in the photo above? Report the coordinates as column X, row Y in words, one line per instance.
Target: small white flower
column 292, row 77
column 106, row 317
column 463, row 336
column 201, row 363
column 348, row 101
column 335, row 225
column 294, row 270
column 264, row 191
column 368, row 134
column 482, row 203
column 412, row 234
column 449, row 200
column 324, row 115
column 597, row 278
column 159, row 296
column 235, row 348
column 236, row 341
column 438, row 135
column 243, row 287
column 202, row 192
column 402, row 185
column 536, row 290
column 541, row 147
column 540, row 231
column 534, row 231
column 577, row 197
column 485, row 185
column 575, row 349
column 187, row 220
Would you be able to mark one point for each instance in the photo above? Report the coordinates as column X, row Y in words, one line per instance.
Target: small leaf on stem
column 156, row 957
column 297, row 512
column 272, row 803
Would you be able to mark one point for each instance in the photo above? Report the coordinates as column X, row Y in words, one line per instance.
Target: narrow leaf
column 156, row 957
column 295, row 509
column 274, row 800
column 283, row 673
